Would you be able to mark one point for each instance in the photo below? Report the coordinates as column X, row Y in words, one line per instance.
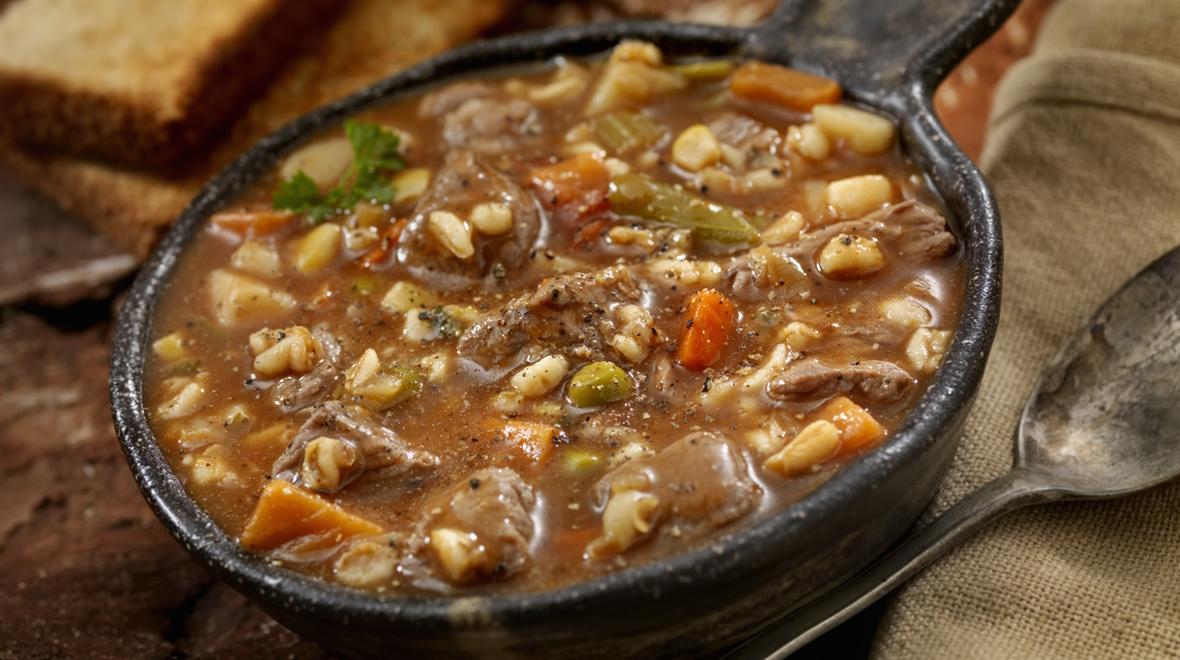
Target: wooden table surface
column 86, row 569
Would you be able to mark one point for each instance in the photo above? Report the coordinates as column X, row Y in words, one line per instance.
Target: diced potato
column 239, row 300
column 366, row 215
column 452, row 233
column 366, row 564
column 323, row 160
column 329, row 463
column 318, row 248
column 624, row 235
column 492, row 218
column 628, row 518
column 171, row 347
column 415, row 328
column 257, row 259
column 211, row 466
column 541, row 376
column 809, row 141
column 799, row 335
column 764, row 179
column 458, row 552
column 285, row 512
column 291, row 350
column 437, row 367
column 696, row 148
column 186, row 402
column 616, row 166
column 816, row 443
column 633, row 75
column 926, row 348
column 789, row 88
column 508, row 402
column 858, row 195
column 849, row 257
column 410, row 184
column 357, row 239
column 858, row 428
column 534, row 440
column 868, row 134
column 785, row 229
column 905, row 313
column 405, row 296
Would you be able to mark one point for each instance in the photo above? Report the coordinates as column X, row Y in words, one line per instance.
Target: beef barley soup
column 526, row 330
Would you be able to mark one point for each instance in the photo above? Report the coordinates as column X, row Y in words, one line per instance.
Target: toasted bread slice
column 371, row 39
column 141, row 81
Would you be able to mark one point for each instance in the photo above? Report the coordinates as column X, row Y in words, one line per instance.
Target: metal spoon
column 1101, row 424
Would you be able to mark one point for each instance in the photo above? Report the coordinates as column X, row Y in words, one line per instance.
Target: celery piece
column 640, row 196
column 623, row 132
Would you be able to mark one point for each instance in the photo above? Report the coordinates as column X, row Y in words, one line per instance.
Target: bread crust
column 145, row 117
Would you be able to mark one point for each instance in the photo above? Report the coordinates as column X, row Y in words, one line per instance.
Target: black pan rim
column 740, row 552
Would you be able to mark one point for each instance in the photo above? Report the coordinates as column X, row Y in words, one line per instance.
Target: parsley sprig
column 374, row 157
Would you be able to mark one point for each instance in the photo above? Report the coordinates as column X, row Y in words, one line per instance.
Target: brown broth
column 457, row 419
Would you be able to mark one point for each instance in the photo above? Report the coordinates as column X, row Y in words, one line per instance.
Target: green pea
column 599, row 383
column 578, row 462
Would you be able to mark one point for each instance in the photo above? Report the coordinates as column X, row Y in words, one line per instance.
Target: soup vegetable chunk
column 525, row 330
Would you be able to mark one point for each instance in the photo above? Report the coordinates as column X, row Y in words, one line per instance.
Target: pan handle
column 878, row 48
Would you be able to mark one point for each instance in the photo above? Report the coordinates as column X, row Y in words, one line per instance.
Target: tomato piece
column 711, row 319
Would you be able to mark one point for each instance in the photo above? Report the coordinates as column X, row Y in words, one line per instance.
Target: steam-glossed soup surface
column 526, row 330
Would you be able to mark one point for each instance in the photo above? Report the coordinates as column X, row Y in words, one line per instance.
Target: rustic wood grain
column 87, row 570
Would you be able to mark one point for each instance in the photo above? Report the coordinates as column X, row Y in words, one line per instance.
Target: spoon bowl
column 1104, row 420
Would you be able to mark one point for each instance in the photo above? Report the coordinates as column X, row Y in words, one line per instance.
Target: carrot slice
column 571, row 179
column 711, row 318
column 858, row 428
column 252, row 223
column 285, row 512
column 790, row 88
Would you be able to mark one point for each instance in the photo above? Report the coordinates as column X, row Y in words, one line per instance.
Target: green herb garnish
column 374, row 157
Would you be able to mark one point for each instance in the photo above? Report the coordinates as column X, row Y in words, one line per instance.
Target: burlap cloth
column 1084, row 156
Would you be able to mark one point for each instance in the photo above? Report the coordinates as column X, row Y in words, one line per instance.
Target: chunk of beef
column 574, row 309
column 464, row 181
column 875, row 380
column 907, row 229
column 298, row 392
column 479, row 117
column 481, row 528
column 377, row 455
column 699, row 483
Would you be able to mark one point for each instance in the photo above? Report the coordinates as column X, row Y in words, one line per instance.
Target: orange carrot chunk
column 710, row 321
column 571, row 179
column 533, row 440
column 252, row 223
column 792, row 89
column 285, row 512
column 858, row 428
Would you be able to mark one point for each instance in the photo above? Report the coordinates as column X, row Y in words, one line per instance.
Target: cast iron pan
column 889, row 55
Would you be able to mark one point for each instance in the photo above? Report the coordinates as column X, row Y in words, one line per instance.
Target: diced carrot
column 711, row 318
column 571, row 179
column 285, row 512
column 591, row 232
column 858, row 428
column 386, row 243
column 790, row 88
column 533, row 440
column 252, row 223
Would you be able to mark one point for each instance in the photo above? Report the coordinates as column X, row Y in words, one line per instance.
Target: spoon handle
column 1011, row 491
